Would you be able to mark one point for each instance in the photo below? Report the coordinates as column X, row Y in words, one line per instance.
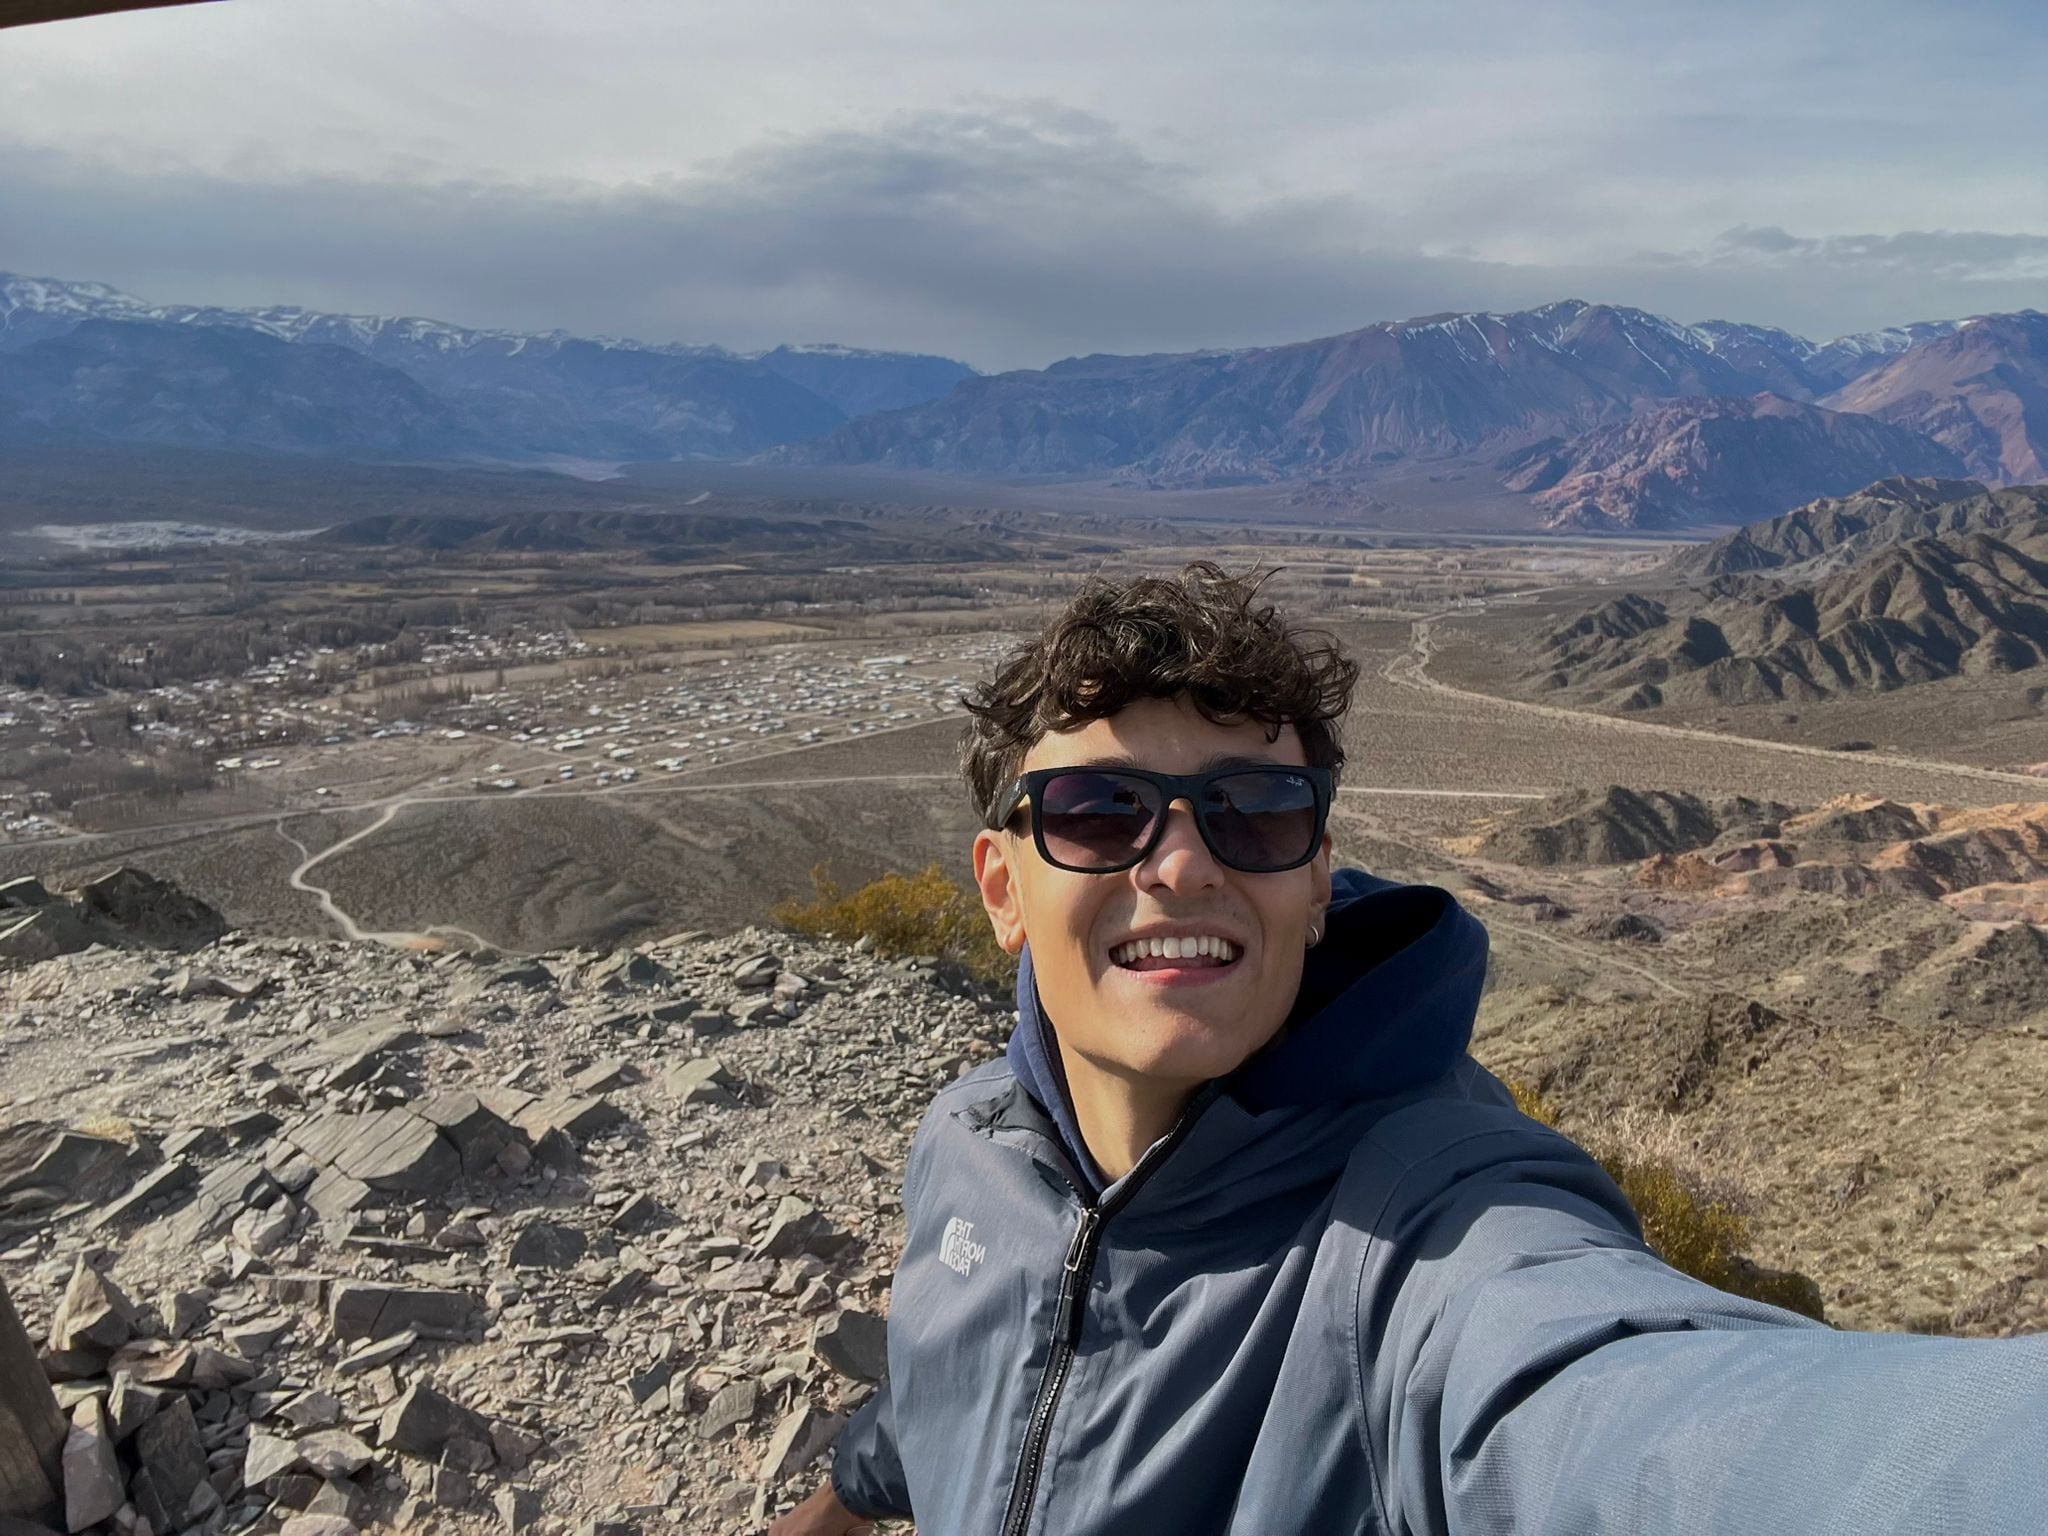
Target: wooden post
column 31, row 1427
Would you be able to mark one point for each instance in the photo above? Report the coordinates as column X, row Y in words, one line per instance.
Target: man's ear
column 1321, row 887
column 1000, row 895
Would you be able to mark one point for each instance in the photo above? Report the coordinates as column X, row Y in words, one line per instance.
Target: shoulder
column 965, row 1099
column 1461, row 1129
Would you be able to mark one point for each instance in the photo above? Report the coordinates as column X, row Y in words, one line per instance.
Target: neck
column 1121, row 1115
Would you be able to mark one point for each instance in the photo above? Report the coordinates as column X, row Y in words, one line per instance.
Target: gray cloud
column 1010, row 235
column 1938, row 254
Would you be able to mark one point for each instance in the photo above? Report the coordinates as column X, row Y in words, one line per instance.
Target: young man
column 1238, row 1239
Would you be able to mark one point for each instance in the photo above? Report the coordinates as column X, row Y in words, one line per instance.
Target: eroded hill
column 1883, row 601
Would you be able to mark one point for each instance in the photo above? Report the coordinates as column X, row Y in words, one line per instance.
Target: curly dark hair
column 1204, row 635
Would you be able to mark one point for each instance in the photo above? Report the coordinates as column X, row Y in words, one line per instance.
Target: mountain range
column 1601, row 416
column 1435, row 387
column 86, row 359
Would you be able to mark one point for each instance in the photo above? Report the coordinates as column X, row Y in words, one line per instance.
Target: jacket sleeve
column 1528, row 1365
column 867, row 1474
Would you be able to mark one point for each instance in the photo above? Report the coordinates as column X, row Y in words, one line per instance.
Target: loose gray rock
column 731, row 1406
column 367, row 1357
column 171, row 1462
column 312, row 1410
column 547, row 1245
column 854, row 1344
column 801, row 1435
column 268, row 1456
column 319, row 1525
column 518, row 1508
column 362, row 1309
column 335, row 1453
column 423, row 1421
column 702, row 1081
column 93, row 1315
column 93, row 1486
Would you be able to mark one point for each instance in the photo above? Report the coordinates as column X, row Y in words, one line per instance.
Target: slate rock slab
column 93, row 1486
column 855, row 1344
column 423, row 1421
column 335, row 1453
column 268, row 1456
column 547, row 1245
column 365, row 1309
column 733, row 1405
column 171, row 1464
column 705, row 1080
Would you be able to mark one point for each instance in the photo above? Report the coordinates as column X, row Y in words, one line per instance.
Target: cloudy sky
column 1016, row 183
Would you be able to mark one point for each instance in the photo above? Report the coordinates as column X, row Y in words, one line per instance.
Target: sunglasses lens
column 1094, row 820
column 1260, row 821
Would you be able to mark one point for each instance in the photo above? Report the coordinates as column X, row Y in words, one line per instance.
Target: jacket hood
column 1386, row 1004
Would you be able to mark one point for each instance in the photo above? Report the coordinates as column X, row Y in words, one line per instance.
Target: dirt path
column 350, row 929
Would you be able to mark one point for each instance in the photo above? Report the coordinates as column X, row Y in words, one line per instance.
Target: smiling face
column 1172, row 1023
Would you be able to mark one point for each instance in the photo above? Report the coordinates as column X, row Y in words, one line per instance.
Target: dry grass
column 1690, row 1230
column 904, row 915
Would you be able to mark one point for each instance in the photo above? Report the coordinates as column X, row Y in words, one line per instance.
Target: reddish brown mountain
column 1982, row 392
column 1716, row 460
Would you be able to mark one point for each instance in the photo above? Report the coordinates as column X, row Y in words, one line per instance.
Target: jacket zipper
column 1075, row 1275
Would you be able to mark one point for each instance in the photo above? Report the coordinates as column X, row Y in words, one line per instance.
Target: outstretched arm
column 867, row 1473
column 1527, row 1365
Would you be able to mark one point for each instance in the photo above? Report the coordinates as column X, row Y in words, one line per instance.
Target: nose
column 1180, row 860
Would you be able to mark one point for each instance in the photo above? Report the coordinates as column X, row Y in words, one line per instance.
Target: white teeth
column 1175, row 949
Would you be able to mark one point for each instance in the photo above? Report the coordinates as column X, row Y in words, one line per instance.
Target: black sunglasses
column 1097, row 821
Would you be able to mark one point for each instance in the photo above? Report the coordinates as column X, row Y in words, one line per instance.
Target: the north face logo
column 958, row 1250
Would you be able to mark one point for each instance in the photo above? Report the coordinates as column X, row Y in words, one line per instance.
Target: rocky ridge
column 314, row 1233
column 1969, row 597
column 1617, row 825
column 1989, row 863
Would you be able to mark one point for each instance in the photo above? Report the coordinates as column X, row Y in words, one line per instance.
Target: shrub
column 1694, row 1234
column 904, row 915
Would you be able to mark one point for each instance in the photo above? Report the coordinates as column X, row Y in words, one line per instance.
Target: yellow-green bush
column 903, row 915
column 1699, row 1237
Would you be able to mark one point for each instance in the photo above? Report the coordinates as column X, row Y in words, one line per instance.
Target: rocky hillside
column 1715, row 461
column 1989, row 863
column 1896, row 606
column 1836, row 531
column 1617, row 825
column 328, row 1238
column 1838, row 1017
column 1981, row 392
column 586, row 1242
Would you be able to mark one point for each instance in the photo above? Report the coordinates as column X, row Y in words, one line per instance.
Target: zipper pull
column 1066, row 1325
column 1091, row 1218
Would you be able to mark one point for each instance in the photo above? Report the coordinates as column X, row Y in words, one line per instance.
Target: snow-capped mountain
column 526, row 395
column 1436, row 386
column 1552, row 387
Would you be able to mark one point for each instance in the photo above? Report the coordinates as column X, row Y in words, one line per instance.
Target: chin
column 1190, row 1052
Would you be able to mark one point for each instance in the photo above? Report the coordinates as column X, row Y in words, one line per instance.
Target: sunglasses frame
column 1176, row 787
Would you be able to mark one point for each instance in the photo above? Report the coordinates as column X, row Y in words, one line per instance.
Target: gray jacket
column 1355, row 1290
